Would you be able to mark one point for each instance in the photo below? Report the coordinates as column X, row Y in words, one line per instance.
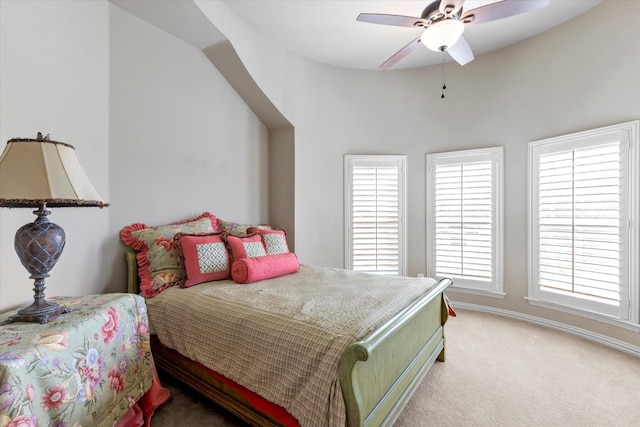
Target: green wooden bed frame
column 378, row 374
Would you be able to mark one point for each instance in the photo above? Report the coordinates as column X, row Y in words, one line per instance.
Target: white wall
column 182, row 140
column 160, row 132
column 171, row 138
column 581, row 75
column 54, row 78
column 282, row 182
column 262, row 58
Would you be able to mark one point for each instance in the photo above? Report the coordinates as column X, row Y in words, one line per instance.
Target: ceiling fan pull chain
column 444, row 86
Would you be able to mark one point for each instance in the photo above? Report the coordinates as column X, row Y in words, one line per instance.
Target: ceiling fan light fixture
column 442, row 35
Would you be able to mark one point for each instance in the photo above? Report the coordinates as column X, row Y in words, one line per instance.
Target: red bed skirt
column 140, row 414
column 260, row 403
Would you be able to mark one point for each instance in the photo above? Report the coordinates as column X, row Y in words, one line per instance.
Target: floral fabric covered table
column 85, row 368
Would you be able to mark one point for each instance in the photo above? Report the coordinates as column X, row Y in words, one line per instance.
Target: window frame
column 628, row 313
column 377, row 160
column 495, row 287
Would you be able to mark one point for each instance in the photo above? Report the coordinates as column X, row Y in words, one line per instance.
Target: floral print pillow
column 159, row 261
column 239, row 230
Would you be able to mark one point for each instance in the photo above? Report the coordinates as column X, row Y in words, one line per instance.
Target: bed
column 377, row 374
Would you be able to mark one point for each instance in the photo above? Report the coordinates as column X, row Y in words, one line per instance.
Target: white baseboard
column 592, row 336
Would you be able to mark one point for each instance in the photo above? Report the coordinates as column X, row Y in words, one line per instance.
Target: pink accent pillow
column 205, row 258
column 249, row 270
column 275, row 241
column 159, row 262
column 245, row 247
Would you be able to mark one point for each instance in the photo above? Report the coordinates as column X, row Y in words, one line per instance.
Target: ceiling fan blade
column 461, row 52
column 396, row 20
column 406, row 50
column 450, row 7
column 500, row 10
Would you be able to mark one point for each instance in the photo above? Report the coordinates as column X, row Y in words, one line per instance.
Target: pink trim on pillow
column 249, row 270
column 205, row 258
column 139, row 245
column 245, row 247
column 275, row 241
column 129, row 240
column 168, row 274
column 146, row 279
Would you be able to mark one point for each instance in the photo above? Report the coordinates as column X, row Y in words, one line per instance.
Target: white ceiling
column 327, row 31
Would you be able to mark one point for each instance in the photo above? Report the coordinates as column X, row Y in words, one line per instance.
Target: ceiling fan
column 444, row 22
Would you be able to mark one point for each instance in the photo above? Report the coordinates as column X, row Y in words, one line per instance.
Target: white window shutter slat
column 583, row 224
column 374, row 201
column 463, row 216
column 464, row 225
column 579, row 213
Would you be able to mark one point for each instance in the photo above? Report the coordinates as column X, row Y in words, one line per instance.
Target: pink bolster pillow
column 249, row 270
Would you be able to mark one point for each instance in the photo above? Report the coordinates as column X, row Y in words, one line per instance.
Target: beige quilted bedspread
column 282, row 338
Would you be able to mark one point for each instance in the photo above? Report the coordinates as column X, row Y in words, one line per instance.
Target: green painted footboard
column 379, row 374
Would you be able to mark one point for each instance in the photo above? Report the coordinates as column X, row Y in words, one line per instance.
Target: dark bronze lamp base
column 39, row 245
column 47, row 312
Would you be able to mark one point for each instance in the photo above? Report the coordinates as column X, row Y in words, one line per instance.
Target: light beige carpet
column 499, row 372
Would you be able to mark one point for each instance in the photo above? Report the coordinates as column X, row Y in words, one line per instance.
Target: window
column 583, row 191
column 375, row 214
column 464, row 219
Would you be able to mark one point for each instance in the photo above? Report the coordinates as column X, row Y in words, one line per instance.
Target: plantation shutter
column 583, row 224
column 579, row 211
column 463, row 220
column 375, row 215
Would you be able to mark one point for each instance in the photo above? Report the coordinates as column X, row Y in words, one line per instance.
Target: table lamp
column 42, row 173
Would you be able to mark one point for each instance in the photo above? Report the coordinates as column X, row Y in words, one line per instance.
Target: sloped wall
column 182, row 140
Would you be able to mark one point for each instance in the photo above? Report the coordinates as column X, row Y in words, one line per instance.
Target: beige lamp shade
column 43, row 173
column 40, row 170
